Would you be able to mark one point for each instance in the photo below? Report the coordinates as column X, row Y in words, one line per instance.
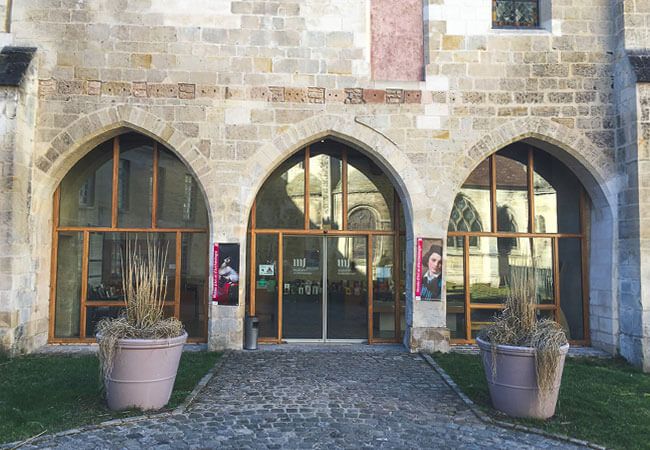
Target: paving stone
column 314, row 397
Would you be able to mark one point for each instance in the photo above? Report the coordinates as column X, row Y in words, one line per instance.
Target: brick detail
column 374, row 96
column 412, row 96
column 139, row 89
column 186, row 91
column 394, row 96
column 354, row 96
column 162, row 90
column 94, row 87
column 46, row 88
column 277, row 93
column 295, row 95
column 316, row 95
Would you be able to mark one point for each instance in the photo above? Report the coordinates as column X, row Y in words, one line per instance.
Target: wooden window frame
column 531, row 234
column 396, row 232
column 114, row 228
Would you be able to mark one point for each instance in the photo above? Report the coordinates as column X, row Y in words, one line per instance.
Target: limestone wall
column 235, row 86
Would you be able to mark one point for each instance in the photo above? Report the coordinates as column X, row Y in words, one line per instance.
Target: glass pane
column 347, row 288
column 571, row 314
column 526, row 13
column 105, row 256
column 194, row 263
column 505, row 12
column 543, row 262
column 481, row 318
column 455, row 285
column 86, row 191
column 95, row 314
column 325, row 192
column 491, row 267
column 557, row 196
column 266, row 285
column 383, row 287
column 402, row 286
column 135, row 178
column 302, row 307
column 281, row 201
column 471, row 210
column 180, row 202
column 68, row 285
column 370, row 195
column 512, row 189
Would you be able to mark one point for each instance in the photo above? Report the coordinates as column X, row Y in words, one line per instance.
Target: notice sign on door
column 225, row 274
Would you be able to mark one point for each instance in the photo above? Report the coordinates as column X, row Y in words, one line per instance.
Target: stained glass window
column 515, row 13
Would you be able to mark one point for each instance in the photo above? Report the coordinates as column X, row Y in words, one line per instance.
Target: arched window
column 537, row 211
column 130, row 188
column 325, row 234
column 464, row 217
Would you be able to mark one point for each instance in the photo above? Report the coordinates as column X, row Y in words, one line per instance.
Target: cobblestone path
column 314, row 397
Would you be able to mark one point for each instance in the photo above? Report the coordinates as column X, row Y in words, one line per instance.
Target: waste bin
column 251, row 331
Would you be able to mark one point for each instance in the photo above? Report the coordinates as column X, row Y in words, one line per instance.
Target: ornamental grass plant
column 144, row 286
column 518, row 325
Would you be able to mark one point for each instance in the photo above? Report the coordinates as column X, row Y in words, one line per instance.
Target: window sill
column 520, row 31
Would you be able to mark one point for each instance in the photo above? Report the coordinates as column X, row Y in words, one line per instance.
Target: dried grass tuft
column 517, row 325
column 145, row 287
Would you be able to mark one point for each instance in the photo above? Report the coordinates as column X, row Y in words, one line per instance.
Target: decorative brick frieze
column 190, row 91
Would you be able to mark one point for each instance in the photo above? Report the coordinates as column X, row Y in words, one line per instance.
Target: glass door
column 302, row 288
column 347, row 287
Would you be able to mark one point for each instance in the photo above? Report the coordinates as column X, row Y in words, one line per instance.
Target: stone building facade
column 234, row 88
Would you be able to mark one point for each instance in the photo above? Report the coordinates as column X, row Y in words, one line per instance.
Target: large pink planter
column 514, row 389
column 143, row 372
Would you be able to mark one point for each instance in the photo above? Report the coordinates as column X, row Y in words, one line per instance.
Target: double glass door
column 325, row 288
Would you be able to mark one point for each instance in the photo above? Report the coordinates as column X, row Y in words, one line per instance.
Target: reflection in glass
column 471, row 210
column 571, row 316
column 302, row 307
column 455, row 285
column 180, row 203
column 266, row 284
column 105, row 259
column 481, row 318
column 281, row 201
column 68, row 285
column 557, row 196
column 383, row 287
column 543, row 263
column 194, row 261
column 512, row 190
column 371, row 193
column 86, row 191
column 492, row 266
column 95, row 314
column 347, row 289
column 135, row 179
column 325, row 192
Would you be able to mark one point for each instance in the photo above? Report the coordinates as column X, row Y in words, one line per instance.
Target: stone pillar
column 17, row 109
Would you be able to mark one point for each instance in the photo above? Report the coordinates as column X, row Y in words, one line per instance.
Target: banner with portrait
column 225, row 274
column 428, row 270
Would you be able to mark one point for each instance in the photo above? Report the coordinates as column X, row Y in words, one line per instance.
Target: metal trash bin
column 251, row 331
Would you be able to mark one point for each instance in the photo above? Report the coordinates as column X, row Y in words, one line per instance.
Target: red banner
column 418, row 269
column 215, row 273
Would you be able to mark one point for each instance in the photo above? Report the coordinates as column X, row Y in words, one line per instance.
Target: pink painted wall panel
column 397, row 40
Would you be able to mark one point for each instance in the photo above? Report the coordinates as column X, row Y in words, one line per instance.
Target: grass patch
column 58, row 392
column 603, row 401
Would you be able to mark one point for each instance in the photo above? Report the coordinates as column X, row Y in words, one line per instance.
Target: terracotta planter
column 143, row 372
column 514, row 389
